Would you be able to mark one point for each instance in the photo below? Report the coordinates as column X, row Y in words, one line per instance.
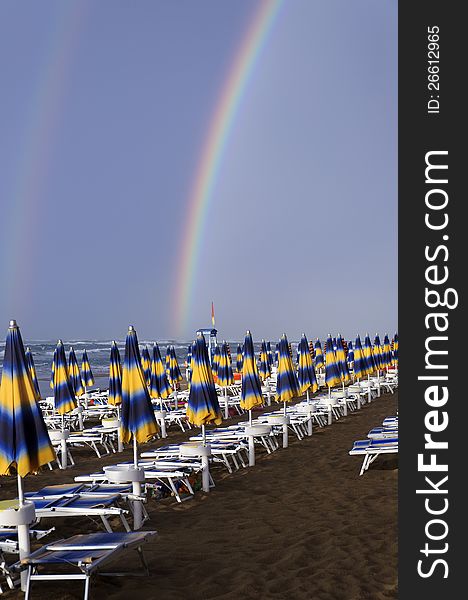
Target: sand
column 301, row 524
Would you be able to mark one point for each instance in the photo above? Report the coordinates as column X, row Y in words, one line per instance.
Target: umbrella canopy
column 137, row 411
column 239, row 359
column 287, row 386
column 377, row 351
column 64, row 394
column 264, row 370
column 386, row 353
column 251, row 394
column 86, row 373
column 341, row 360
column 174, row 374
column 52, row 368
column 306, row 372
column 146, row 363
column 368, row 356
column 74, row 373
column 215, row 362
column 318, row 354
column 24, row 442
column 32, row 371
column 395, row 349
column 332, row 372
column 159, row 385
column 360, row 367
column 203, row 406
column 115, row 376
column 276, row 354
column 189, row 356
column 225, row 375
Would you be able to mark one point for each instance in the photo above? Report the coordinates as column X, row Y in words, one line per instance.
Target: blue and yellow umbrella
column 270, row 354
column 395, row 350
column 386, row 353
column 332, row 373
column 350, row 355
column 115, row 376
column 239, row 359
column 146, row 364
column 318, row 355
column 32, row 372
column 24, row 442
column 287, row 386
column 160, row 387
column 64, row 394
column 360, row 366
column 203, row 406
column 306, row 373
column 215, row 361
column 189, row 356
column 138, row 420
column 264, row 369
column 225, row 374
column 368, row 355
column 74, row 373
column 340, row 355
column 174, row 374
column 86, row 373
column 251, row 393
column 377, row 352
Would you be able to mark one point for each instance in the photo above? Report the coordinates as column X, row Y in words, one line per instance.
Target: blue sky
column 105, row 109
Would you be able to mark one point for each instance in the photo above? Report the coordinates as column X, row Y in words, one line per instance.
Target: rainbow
column 212, row 153
column 36, row 145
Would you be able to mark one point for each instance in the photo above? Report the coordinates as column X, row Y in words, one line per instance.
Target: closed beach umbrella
column 146, row 363
column 360, row 368
column 368, row 355
column 377, row 351
column 160, row 387
column 318, row 355
column 395, row 350
column 24, row 442
column 350, row 356
column 32, row 371
column 203, row 406
column 341, row 360
column 264, row 369
column 251, row 393
column 64, row 395
column 270, row 354
column 332, row 373
column 225, row 375
column 137, row 416
column 215, row 361
column 115, row 376
column 86, row 373
column 239, row 359
column 386, row 353
column 189, row 356
column 287, row 386
column 52, row 376
column 74, row 373
column 306, row 372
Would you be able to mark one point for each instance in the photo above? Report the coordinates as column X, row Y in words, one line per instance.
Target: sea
column 98, row 354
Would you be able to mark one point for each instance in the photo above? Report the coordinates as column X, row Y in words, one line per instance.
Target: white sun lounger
column 84, row 555
column 372, row 449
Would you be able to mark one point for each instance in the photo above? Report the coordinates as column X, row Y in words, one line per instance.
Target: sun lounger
column 372, row 449
column 80, row 557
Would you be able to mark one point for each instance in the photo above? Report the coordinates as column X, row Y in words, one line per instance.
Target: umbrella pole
column 250, row 416
column 309, row 415
column 63, row 445
column 330, row 413
column 226, row 404
column 136, row 489
column 369, row 396
column 24, row 546
column 119, row 434
column 176, row 404
column 345, row 401
column 203, row 430
column 285, row 428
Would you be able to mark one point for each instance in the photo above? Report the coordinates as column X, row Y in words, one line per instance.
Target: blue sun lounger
column 372, row 449
column 83, row 555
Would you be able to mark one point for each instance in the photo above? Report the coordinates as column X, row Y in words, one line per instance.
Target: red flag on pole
column 212, row 314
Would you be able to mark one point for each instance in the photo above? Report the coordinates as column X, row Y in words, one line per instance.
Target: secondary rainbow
column 214, row 145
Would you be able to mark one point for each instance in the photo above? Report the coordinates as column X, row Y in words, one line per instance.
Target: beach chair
column 80, row 557
column 372, row 449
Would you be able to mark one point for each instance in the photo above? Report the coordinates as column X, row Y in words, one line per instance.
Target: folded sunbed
column 371, row 449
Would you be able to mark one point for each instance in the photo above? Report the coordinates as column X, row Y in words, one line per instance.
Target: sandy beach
column 301, row 524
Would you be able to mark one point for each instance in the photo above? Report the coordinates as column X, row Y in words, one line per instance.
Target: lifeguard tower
column 209, row 334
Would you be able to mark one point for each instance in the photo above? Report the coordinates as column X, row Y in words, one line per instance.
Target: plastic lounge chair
column 80, row 505
column 87, row 554
column 372, row 449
